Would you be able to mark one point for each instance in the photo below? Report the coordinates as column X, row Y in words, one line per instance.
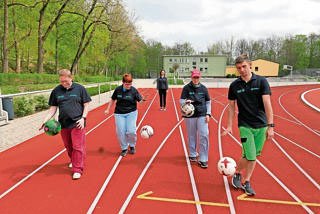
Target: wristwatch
column 271, row 125
column 208, row 114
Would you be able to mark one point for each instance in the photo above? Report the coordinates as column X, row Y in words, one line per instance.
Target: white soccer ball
column 187, row 109
column 146, row 132
column 227, row 166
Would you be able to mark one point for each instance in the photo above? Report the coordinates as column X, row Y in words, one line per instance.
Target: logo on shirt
column 240, row 91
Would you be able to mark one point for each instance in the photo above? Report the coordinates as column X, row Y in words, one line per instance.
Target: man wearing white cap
column 197, row 124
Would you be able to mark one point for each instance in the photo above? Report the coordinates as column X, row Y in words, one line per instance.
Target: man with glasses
column 126, row 97
column 197, row 125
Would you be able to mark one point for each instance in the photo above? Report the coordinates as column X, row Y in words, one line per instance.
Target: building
column 260, row 66
column 209, row 65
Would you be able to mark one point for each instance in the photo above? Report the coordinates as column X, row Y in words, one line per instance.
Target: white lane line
column 126, row 203
column 301, row 147
column 115, row 166
column 297, row 165
column 296, row 119
column 277, row 179
column 46, row 163
column 225, row 180
column 307, row 102
column 191, row 176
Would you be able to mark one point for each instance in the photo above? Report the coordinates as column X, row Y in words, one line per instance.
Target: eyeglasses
column 127, row 83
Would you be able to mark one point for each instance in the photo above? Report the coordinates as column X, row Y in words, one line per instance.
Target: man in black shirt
column 72, row 100
column 255, row 119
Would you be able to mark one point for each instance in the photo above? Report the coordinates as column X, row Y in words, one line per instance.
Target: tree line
column 101, row 37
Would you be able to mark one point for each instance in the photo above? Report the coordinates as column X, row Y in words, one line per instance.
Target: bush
column 40, row 102
column 23, row 106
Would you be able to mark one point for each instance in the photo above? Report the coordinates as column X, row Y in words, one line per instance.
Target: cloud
column 203, row 22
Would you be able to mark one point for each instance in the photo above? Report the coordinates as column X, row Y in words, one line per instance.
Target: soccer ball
column 52, row 127
column 187, row 109
column 146, row 132
column 227, row 166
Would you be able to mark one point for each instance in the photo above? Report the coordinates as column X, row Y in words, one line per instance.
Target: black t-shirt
column 162, row 83
column 70, row 102
column 126, row 99
column 249, row 100
column 199, row 95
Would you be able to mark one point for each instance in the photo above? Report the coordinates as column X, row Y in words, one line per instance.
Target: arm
column 231, row 113
column 81, row 121
column 269, row 113
column 208, row 114
column 51, row 112
column 109, row 106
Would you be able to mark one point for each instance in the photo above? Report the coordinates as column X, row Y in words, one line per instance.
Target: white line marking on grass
column 106, row 182
column 225, row 180
column 46, row 163
column 307, row 102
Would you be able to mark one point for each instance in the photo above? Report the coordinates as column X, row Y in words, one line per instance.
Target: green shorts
column 252, row 141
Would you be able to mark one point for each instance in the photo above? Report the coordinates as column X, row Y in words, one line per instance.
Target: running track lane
column 241, row 206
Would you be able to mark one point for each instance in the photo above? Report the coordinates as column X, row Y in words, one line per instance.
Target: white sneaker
column 76, row 175
column 70, row 165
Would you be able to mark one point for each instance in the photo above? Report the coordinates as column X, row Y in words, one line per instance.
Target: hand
column 228, row 130
column 270, row 133
column 207, row 118
column 188, row 101
column 106, row 111
column 80, row 123
column 41, row 127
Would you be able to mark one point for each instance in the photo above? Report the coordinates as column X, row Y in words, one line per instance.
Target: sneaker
column 193, row 159
column 132, row 150
column 164, row 109
column 70, row 165
column 76, row 176
column 161, row 109
column 203, row 165
column 236, row 181
column 247, row 189
column 124, row 152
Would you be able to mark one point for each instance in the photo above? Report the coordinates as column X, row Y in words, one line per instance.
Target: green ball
column 52, row 127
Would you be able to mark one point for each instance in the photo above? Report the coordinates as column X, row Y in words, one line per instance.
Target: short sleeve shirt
column 70, row 102
column 126, row 99
column 249, row 100
column 199, row 95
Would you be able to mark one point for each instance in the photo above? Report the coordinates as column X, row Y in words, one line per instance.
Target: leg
column 120, row 120
column 164, row 98
column 191, row 124
column 160, row 96
column 131, row 128
column 67, row 141
column 203, row 139
column 79, row 149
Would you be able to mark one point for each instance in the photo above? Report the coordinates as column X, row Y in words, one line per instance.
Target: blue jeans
column 198, row 130
column 126, row 129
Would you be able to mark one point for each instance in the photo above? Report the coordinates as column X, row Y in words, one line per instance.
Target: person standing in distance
column 162, row 86
column 72, row 99
column 197, row 125
column 255, row 119
column 126, row 97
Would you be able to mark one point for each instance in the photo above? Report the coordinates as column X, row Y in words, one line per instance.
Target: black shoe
column 193, row 159
column 124, row 152
column 247, row 189
column 132, row 150
column 236, row 181
column 203, row 165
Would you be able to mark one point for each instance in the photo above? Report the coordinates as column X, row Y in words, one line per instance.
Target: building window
column 205, row 69
column 201, row 69
column 194, row 63
column 205, row 59
column 201, row 59
column 170, row 60
column 256, row 68
column 175, row 60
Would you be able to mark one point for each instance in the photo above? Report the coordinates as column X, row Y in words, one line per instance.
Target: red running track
column 286, row 179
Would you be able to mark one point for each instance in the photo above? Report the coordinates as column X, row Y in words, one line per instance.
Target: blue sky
column 203, row 22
